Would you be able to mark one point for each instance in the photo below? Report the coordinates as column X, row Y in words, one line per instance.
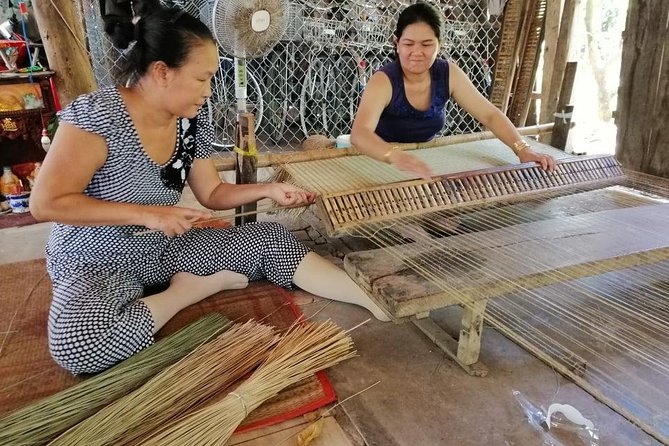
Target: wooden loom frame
column 465, row 350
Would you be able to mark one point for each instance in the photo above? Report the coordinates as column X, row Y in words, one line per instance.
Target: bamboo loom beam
column 277, row 159
column 347, row 210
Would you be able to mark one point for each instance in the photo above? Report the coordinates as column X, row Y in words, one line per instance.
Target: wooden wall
column 643, row 97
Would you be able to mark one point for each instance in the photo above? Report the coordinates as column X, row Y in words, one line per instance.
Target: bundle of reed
column 207, row 371
column 44, row 420
column 302, row 351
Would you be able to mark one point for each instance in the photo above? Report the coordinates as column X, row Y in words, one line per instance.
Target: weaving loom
column 551, row 260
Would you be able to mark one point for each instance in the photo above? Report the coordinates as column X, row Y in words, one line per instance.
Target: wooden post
column 564, row 43
column 551, row 31
column 562, row 126
column 564, row 109
column 246, row 171
column 65, row 44
column 469, row 343
column 642, row 113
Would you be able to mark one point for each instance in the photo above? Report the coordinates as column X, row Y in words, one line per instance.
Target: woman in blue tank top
column 405, row 100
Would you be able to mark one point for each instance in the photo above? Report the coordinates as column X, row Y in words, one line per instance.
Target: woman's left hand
column 288, row 195
column 547, row 162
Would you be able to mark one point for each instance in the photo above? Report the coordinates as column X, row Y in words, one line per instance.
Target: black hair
column 420, row 13
column 161, row 34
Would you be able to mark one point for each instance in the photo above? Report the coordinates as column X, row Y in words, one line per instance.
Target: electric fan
column 247, row 29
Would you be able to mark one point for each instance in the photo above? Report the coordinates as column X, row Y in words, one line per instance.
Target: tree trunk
column 643, row 97
column 65, row 44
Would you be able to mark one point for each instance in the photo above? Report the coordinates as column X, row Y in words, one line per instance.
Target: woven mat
column 10, row 220
column 27, row 372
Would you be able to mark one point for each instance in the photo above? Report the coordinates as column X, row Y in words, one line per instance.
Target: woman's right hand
column 407, row 162
column 172, row 220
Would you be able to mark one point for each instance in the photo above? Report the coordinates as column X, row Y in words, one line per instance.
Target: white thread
column 246, row 409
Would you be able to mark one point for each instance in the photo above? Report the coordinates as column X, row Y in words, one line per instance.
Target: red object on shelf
column 23, row 170
column 20, row 45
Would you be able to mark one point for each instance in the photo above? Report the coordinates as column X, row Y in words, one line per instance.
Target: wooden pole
column 564, row 43
column 551, row 31
column 642, row 113
column 65, row 44
column 564, row 109
column 561, row 129
column 246, row 171
column 276, row 159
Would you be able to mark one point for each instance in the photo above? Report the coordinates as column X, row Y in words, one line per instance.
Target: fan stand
column 246, row 163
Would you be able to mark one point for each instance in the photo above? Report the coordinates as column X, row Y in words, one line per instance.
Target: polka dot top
column 128, row 175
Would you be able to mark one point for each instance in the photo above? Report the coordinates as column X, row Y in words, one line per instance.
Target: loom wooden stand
column 465, row 351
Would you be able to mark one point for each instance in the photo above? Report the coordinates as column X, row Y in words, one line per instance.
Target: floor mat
column 28, row 373
column 11, row 220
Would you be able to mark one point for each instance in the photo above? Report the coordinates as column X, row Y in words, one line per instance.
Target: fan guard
column 249, row 28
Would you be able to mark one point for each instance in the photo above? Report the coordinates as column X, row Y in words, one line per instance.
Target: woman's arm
column 212, row 193
column 375, row 98
column 74, row 157
column 468, row 97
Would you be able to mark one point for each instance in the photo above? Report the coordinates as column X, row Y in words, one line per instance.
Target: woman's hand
column 410, row 163
column 172, row 220
column 288, row 195
column 547, row 162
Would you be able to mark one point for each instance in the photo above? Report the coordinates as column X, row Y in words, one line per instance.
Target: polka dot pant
column 96, row 317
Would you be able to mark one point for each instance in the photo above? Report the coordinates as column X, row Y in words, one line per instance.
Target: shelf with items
column 27, row 106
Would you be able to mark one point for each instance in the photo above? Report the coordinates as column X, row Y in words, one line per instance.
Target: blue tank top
column 400, row 122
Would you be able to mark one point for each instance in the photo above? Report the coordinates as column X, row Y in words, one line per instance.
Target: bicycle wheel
column 341, row 98
column 223, row 104
column 313, row 97
column 276, row 94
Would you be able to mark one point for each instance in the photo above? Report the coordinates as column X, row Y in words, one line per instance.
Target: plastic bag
column 559, row 423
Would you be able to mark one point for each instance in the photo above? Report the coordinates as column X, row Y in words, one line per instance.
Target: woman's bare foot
column 322, row 278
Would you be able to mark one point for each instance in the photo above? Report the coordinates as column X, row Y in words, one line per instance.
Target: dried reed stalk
column 196, row 378
column 302, row 351
column 44, row 420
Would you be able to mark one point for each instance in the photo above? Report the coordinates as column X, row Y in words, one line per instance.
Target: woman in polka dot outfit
column 118, row 165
